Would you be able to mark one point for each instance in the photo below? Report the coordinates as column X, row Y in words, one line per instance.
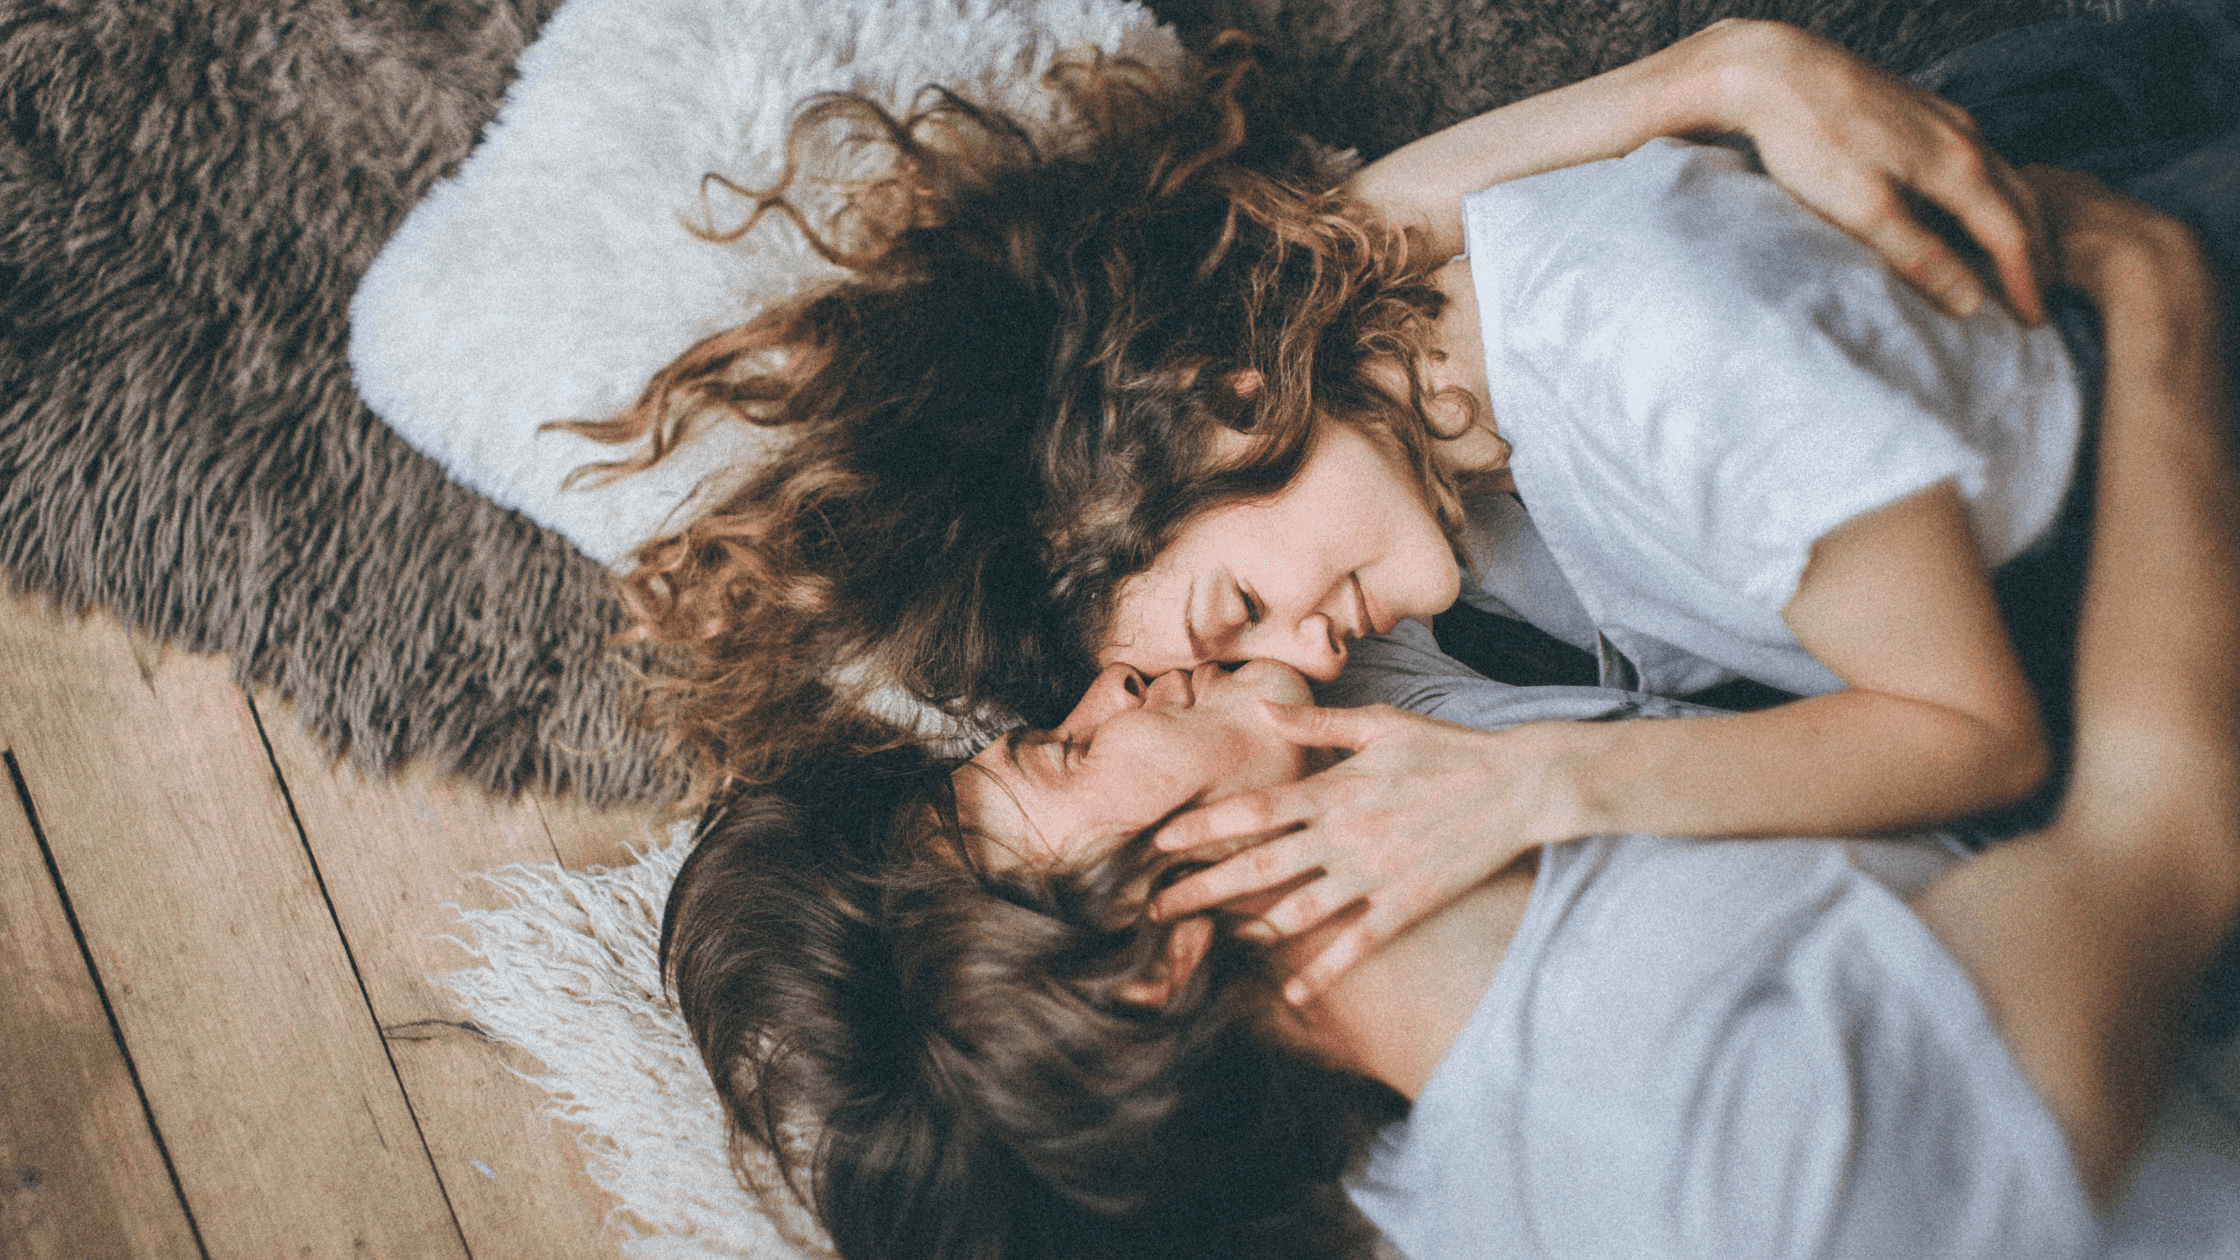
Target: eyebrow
column 1011, row 743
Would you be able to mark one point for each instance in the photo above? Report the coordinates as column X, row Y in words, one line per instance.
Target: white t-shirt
column 1731, row 1049
column 1744, row 1048
column 1700, row 378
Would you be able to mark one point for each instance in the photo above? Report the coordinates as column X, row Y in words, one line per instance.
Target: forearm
column 2158, row 672
column 2086, row 940
column 1677, row 91
column 2161, row 620
column 1846, row 763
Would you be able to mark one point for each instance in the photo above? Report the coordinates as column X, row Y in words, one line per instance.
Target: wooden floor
column 217, row 1035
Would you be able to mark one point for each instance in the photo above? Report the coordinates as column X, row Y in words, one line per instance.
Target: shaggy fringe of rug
column 570, row 976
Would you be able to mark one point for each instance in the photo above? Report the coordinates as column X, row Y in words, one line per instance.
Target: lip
column 1181, row 683
column 1371, row 620
column 1204, row 677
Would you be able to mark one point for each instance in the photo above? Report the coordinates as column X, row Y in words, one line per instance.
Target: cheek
column 1419, row 576
column 1255, row 758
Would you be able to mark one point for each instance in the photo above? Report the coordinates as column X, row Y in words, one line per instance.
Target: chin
column 1273, row 680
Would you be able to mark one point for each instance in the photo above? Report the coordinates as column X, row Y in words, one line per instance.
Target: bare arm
column 1936, row 722
column 2086, row 939
column 1844, row 138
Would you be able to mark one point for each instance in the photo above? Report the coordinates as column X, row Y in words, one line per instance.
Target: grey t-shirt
column 1712, row 1049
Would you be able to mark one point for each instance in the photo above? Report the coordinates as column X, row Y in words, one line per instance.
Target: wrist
column 1738, row 67
column 2147, row 267
column 1697, row 88
column 1554, row 764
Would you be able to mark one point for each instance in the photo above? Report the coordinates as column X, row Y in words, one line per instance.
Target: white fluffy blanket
column 552, row 276
column 571, row 978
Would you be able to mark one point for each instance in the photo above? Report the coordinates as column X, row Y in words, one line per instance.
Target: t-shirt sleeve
column 1700, row 377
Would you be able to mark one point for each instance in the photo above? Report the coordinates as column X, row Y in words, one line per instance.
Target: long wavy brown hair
column 1007, row 407
column 961, row 1042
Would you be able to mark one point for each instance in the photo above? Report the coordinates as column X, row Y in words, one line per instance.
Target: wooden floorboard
column 392, row 855
column 255, row 919
column 80, row 1171
column 239, row 1008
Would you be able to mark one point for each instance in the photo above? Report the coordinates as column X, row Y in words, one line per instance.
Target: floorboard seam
column 101, row 991
column 357, row 976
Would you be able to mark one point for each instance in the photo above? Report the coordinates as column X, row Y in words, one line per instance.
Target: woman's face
column 1349, row 548
column 1128, row 755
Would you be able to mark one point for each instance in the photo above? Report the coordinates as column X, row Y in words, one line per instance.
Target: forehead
column 1151, row 626
column 1010, row 800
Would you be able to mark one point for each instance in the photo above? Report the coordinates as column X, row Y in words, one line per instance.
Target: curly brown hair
column 1008, row 405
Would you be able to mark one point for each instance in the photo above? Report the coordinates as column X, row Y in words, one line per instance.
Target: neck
column 1394, row 1016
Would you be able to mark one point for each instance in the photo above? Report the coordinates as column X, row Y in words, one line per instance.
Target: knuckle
column 1189, row 833
column 1262, row 863
column 1968, row 163
column 1253, row 813
column 1297, row 912
column 1880, row 202
column 1923, row 261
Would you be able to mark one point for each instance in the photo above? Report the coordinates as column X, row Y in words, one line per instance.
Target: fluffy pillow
column 553, row 275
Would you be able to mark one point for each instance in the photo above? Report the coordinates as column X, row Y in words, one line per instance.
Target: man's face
column 1128, row 755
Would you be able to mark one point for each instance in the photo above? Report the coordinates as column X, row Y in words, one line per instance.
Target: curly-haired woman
column 1046, row 369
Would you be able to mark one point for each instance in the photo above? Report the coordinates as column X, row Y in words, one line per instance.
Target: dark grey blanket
column 189, row 191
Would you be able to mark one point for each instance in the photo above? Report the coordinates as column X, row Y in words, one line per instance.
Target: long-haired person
column 1046, row 368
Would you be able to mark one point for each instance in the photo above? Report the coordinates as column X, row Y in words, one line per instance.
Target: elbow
column 2011, row 760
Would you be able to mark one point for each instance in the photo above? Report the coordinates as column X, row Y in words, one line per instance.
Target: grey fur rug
column 189, row 191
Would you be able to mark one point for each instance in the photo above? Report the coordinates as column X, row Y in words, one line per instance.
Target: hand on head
column 1420, row 814
column 1220, row 757
column 1867, row 151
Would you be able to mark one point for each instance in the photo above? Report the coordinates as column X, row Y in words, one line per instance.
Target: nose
column 1314, row 646
column 1118, row 688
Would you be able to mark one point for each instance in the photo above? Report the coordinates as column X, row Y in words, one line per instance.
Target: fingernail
column 1258, row 932
column 1965, row 302
column 1296, row 993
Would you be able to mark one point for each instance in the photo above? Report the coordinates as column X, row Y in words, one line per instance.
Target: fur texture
column 188, row 194
column 553, row 276
column 190, row 191
column 571, row 976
